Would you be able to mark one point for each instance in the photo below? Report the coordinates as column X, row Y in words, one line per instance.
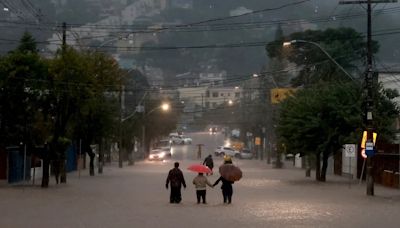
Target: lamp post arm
column 326, row 53
column 151, row 111
column 133, row 114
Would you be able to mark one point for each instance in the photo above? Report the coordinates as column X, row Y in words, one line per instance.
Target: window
column 222, row 95
column 215, row 94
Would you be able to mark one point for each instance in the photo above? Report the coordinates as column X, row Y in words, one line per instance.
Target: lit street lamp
column 165, row 107
column 289, row 43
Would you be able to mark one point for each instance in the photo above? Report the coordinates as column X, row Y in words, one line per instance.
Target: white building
column 217, row 96
column 193, row 95
column 210, row 97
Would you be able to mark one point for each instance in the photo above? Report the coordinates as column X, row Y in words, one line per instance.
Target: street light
column 289, row 43
column 164, row 107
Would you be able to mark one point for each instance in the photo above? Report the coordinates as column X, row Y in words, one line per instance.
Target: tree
column 328, row 91
column 23, row 91
column 319, row 120
column 66, row 94
column 79, row 85
column 27, row 44
column 95, row 117
column 345, row 45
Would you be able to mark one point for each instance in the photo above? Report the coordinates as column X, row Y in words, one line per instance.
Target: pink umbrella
column 198, row 168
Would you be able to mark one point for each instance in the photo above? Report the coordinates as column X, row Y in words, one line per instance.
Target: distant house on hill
column 184, row 4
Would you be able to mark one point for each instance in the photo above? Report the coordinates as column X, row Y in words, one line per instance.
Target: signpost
column 350, row 152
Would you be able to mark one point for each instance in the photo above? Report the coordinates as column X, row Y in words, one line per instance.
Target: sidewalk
column 353, row 185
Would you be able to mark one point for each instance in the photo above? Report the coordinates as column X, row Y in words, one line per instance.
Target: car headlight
column 161, row 155
column 151, row 156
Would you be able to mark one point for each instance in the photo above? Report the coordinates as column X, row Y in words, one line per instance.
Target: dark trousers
column 201, row 194
column 227, row 194
column 175, row 196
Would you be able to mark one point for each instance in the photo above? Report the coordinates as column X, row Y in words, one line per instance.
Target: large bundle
column 230, row 172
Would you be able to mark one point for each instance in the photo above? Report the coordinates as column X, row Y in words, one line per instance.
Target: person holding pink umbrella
column 200, row 182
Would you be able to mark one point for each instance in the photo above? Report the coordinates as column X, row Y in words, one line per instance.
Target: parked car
column 176, row 139
column 246, row 154
column 224, row 150
column 213, row 130
column 187, row 140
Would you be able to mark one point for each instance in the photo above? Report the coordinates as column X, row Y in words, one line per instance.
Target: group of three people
column 176, row 180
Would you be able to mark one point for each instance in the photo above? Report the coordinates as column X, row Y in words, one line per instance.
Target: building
column 193, row 95
column 210, row 97
column 216, row 96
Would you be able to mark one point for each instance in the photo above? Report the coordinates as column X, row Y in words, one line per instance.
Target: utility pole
column 120, row 161
column 64, row 36
column 144, row 129
column 369, row 86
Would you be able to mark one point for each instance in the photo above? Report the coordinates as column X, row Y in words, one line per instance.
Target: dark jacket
column 227, row 185
column 175, row 177
column 209, row 162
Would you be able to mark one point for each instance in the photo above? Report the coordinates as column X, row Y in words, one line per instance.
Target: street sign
column 369, row 149
column 350, row 150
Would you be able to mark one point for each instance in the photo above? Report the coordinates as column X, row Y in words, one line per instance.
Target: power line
column 383, row 32
column 214, row 27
